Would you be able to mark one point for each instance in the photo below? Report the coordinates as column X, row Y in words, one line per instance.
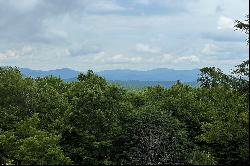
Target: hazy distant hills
column 142, row 84
column 154, row 75
column 151, row 75
column 64, row 73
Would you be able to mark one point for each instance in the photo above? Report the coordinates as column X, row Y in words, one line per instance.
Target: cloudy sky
column 121, row 34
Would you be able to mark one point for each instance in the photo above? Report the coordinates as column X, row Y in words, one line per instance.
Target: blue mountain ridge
column 64, row 73
column 160, row 74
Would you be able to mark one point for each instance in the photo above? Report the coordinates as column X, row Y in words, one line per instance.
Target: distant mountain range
column 162, row 74
column 132, row 79
column 64, row 73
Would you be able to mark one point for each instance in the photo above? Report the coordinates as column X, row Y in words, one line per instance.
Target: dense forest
column 90, row 121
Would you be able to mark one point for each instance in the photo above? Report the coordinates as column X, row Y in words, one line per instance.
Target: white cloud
column 14, row 53
column 225, row 23
column 209, row 48
column 167, row 57
column 192, row 58
column 220, row 51
column 26, row 50
column 144, row 2
column 147, row 49
column 8, row 54
column 123, row 60
column 104, row 6
column 170, row 58
column 24, row 5
column 67, row 52
column 105, row 58
column 115, row 26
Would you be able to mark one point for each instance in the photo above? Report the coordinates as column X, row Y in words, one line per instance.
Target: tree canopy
column 90, row 121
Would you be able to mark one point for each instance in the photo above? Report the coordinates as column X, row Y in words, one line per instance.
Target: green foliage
column 242, row 69
column 90, row 121
column 213, row 77
column 243, row 26
column 28, row 145
column 198, row 157
column 139, row 85
column 226, row 131
column 154, row 138
column 94, row 119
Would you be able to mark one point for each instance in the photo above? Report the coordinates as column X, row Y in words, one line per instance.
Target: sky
column 122, row 34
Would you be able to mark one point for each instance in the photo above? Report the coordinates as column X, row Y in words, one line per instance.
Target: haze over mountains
column 161, row 74
column 64, row 73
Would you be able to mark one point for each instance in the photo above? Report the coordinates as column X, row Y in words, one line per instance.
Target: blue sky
column 121, row 34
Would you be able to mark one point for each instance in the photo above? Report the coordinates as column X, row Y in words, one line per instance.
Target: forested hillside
column 89, row 121
column 144, row 84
